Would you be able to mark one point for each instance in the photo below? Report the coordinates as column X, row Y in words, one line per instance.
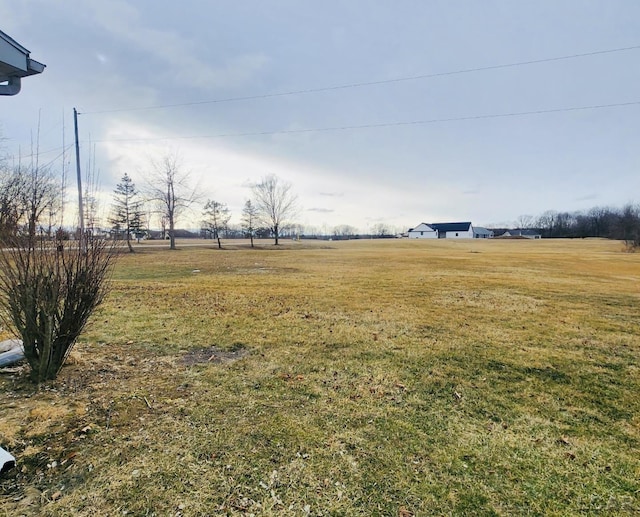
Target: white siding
column 460, row 235
column 423, row 231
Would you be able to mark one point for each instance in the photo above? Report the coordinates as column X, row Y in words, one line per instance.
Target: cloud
column 321, row 210
column 587, row 197
column 179, row 54
column 331, row 194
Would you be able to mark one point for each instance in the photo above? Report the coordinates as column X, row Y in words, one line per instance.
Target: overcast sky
column 111, row 59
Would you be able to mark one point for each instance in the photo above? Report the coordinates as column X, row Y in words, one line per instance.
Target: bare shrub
column 48, row 291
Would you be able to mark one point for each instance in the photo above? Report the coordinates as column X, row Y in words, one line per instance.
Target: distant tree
column 547, row 222
column 275, row 203
column 127, row 209
column 344, row 231
column 380, row 230
column 170, row 189
column 249, row 219
column 216, row 217
column 525, row 221
column 11, row 209
column 629, row 226
column 35, row 193
column 599, row 221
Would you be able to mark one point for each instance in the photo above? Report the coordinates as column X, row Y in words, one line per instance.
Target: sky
column 446, row 133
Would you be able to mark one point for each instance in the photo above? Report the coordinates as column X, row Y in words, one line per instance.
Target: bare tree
column 525, row 221
column 629, row 226
column 11, row 210
column 26, row 195
column 344, row 231
column 249, row 219
column 275, row 203
column 127, row 209
column 380, row 230
column 170, row 188
column 216, row 219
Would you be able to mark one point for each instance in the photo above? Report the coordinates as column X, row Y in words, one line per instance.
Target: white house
column 423, row 231
column 453, row 230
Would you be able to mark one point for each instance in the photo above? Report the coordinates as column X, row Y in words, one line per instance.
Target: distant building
column 463, row 230
column 453, row 230
column 527, row 234
column 482, row 233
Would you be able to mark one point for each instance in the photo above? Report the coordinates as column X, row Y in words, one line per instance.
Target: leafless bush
column 632, row 245
column 48, row 291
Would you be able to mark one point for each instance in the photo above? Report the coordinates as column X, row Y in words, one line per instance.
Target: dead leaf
column 403, row 512
column 55, row 496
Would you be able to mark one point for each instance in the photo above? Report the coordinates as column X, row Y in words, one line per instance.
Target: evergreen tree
column 127, row 217
column 249, row 219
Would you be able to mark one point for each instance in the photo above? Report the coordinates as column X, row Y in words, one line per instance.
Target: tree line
column 606, row 222
column 32, row 203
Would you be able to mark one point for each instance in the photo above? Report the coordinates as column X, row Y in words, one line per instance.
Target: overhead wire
column 379, row 125
column 365, row 83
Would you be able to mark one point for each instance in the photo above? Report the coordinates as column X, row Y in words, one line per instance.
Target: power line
column 380, row 125
column 367, row 83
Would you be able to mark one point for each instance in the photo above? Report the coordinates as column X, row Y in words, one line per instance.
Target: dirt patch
column 213, row 354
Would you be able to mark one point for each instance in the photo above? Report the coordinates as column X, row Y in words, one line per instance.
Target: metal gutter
column 15, row 64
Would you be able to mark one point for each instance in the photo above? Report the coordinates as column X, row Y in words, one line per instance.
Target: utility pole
column 79, row 178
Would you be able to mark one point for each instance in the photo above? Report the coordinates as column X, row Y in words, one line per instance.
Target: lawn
column 385, row 377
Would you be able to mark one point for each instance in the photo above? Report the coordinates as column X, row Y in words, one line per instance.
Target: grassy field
column 392, row 378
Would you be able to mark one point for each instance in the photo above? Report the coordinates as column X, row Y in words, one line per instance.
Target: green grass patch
column 365, row 378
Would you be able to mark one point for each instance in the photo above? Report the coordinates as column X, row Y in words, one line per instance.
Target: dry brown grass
column 382, row 378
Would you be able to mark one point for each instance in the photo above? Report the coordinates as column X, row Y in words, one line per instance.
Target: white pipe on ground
column 11, row 352
column 7, row 462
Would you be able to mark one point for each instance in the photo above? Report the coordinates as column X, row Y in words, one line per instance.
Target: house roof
column 481, row 231
column 451, row 227
column 422, row 227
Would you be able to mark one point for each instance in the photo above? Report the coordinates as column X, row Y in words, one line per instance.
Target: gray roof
column 523, row 232
column 451, row 227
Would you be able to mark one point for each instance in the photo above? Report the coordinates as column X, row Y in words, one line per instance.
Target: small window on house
column 421, row 233
column 456, row 234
